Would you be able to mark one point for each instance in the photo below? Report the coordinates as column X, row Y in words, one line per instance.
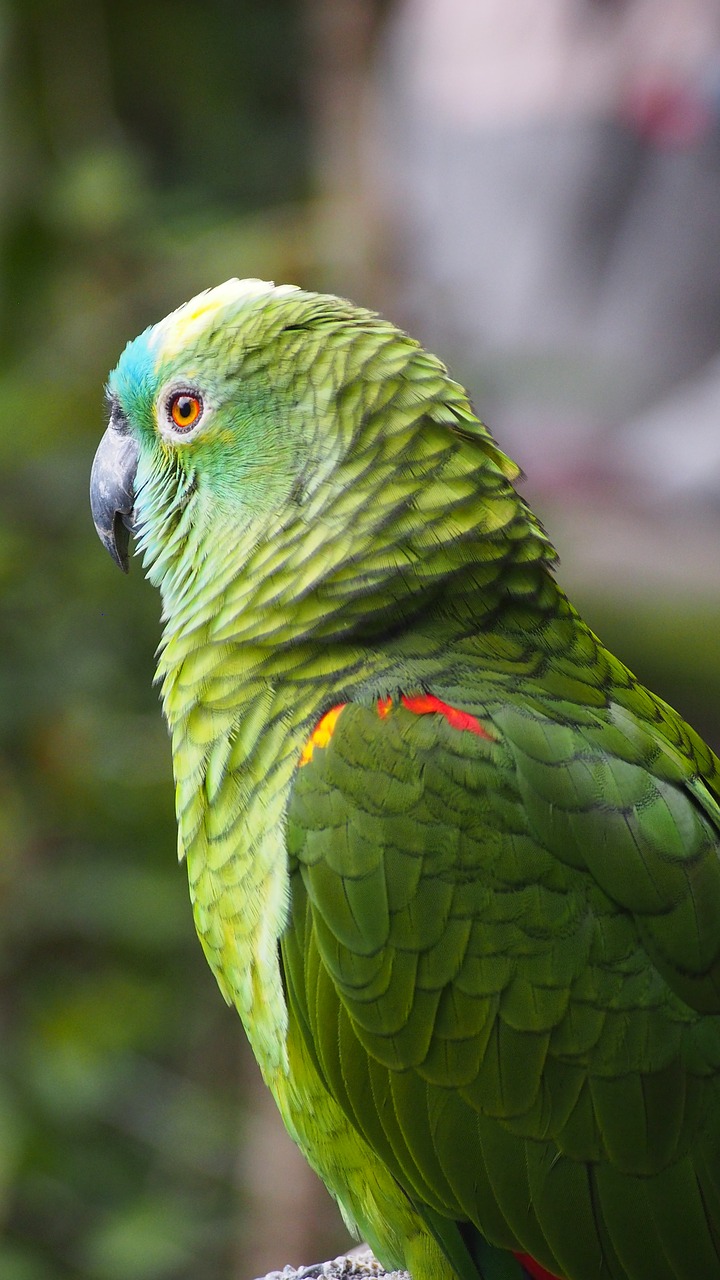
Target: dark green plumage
column 456, row 868
column 478, row 915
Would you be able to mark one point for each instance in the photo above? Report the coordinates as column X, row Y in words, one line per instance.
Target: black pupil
column 185, row 407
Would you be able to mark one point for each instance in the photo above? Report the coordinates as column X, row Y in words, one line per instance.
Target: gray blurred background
column 531, row 189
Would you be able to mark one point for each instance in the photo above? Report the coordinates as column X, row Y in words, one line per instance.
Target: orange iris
column 185, row 409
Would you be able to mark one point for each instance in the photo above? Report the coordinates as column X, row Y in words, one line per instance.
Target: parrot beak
column 112, row 492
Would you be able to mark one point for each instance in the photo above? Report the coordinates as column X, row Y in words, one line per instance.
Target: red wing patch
column 426, row 704
column 422, row 704
column 533, row 1268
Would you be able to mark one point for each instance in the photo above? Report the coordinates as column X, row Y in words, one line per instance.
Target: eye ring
column 184, row 411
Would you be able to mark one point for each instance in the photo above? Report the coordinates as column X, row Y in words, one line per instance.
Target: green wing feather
column 505, row 954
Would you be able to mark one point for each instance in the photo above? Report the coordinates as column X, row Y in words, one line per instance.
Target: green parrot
column 454, row 866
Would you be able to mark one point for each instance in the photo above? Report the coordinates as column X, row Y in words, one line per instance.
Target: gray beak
column 112, row 491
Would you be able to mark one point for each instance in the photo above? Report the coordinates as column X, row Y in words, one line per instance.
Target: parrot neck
column 324, row 574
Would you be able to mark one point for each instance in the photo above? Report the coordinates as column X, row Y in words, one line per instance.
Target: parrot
column 456, row 868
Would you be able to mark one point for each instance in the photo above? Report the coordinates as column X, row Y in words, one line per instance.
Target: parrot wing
column 503, row 944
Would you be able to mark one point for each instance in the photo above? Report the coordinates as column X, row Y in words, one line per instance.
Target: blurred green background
column 147, row 151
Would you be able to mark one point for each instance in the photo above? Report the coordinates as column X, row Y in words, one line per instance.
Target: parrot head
column 200, row 423
column 262, row 430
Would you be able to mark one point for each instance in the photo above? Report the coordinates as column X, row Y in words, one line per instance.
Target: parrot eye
column 184, row 411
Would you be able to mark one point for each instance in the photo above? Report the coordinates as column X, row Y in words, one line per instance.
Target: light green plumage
column 480, row 965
